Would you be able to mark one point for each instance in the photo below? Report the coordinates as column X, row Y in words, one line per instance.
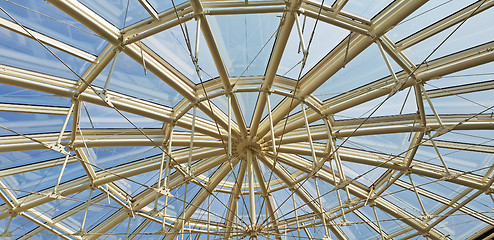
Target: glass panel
column 19, row 51
column 363, row 69
column 136, row 184
column 129, row 78
column 324, row 39
column 171, row 46
column 476, row 74
column 108, row 157
column 364, row 8
column 474, row 162
column 20, row 226
column 473, row 103
column 471, row 33
column 389, row 224
column 23, row 184
column 245, row 41
column 427, row 14
column 368, row 174
column 393, row 144
column 481, row 137
column 105, row 117
column 28, row 123
column 116, row 12
column 21, row 158
column 247, row 102
column 460, row 225
column 161, row 6
column 45, row 18
column 402, row 102
column 11, row 94
column 445, row 189
column 358, row 229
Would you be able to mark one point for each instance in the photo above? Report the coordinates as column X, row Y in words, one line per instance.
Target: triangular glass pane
column 247, row 103
column 245, row 41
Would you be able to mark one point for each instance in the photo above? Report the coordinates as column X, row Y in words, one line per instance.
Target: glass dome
column 238, row 119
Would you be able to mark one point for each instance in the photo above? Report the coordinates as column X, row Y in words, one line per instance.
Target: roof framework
column 219, row 165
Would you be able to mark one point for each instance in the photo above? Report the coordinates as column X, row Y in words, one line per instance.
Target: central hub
column 245, row 145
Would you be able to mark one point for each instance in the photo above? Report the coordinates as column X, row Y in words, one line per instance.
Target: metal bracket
column 103, row 96
column 342, row 184
column 56, row 147
column 442, row 130
column 53, row 195
column 6, row 234
column 164, row 191
column 81, row 233
column 449, row 176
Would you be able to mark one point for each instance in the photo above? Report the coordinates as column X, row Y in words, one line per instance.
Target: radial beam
column 337, row 58
column 397, row 163
column 296, row 188
column 218, row 61
column 119, row 172
column 234, row 198
column 268, row 199
column 360, row 192
column 22, row 108
column 282, row 36
column 217, row 177
column 154, row 63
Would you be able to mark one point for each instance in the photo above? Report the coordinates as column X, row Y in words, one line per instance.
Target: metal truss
column 239, row 167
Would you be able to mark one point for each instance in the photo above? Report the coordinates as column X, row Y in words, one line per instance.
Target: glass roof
column 212, row 119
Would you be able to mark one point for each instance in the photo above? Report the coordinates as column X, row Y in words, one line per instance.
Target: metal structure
column 214, row 119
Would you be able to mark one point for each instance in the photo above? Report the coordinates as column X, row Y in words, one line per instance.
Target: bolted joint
column 408, row 170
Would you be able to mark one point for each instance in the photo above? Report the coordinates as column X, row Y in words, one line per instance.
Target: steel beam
column 274, row 62
column 362, row 193
column 221, row 173
column 296, row 188
column 340, row 55
column 34, row 109
column 218, row 61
